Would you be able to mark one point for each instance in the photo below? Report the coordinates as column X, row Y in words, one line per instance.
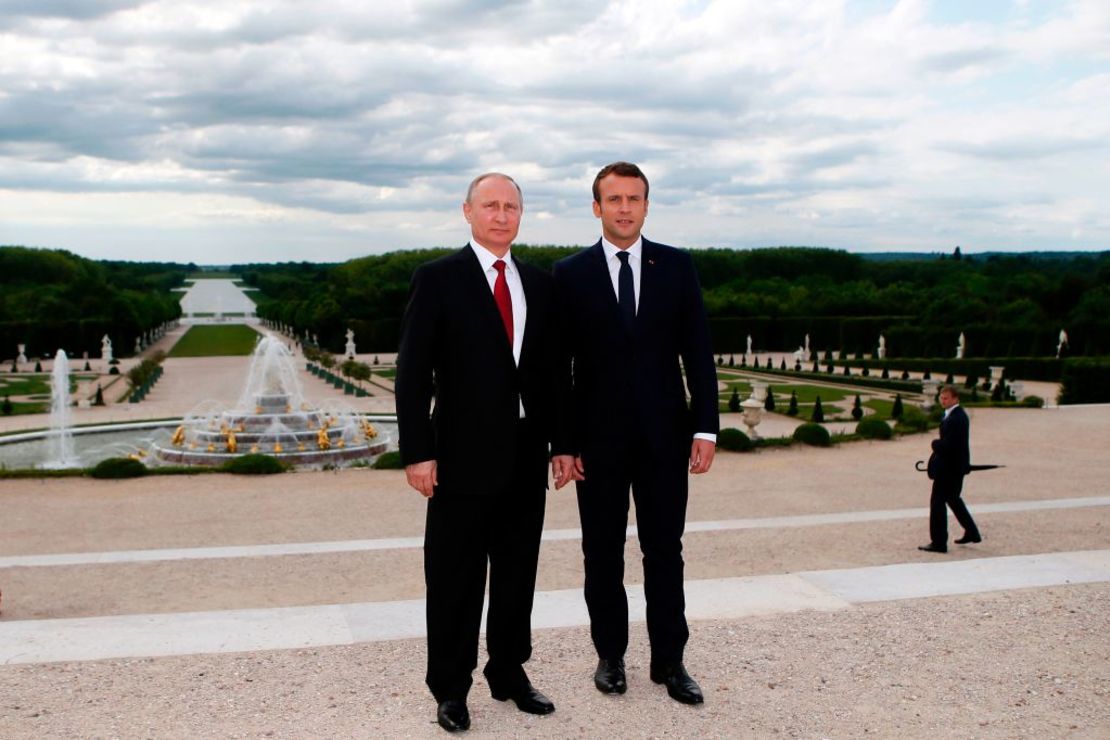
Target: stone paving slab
column 134, row 636
column 550, row 535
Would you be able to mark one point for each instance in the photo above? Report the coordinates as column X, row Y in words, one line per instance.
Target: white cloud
column 336, row 128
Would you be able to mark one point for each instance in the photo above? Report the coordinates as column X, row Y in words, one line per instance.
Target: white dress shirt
column 635, row 256
column 635, row 260
column 516, row 293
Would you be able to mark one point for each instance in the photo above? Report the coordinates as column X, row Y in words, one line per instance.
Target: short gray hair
column 478, row 181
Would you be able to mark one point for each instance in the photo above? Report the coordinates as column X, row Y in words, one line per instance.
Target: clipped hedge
column 388, row 461
column 812, row 434
column 1085, row 381
column 874, row 429
column 913, row 419
column 734, row 440
column 118, row 467
column 254, row 464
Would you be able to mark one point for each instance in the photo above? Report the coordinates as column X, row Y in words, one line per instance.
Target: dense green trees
column 1006, row 304
column 52, row 299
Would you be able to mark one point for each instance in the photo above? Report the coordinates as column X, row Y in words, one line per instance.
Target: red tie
column 503, row 299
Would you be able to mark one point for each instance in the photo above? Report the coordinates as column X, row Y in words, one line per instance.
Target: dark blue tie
column 626, row 293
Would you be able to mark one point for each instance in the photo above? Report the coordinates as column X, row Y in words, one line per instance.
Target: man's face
column 494, row 214
column 622, row 209
column 948, row 400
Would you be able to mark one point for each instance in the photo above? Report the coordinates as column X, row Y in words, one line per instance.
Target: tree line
column 1007, row 305
column 53, row 299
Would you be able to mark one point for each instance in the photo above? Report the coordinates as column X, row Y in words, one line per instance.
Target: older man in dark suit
column 949, row 463
column 631, row 321
column 476, row 338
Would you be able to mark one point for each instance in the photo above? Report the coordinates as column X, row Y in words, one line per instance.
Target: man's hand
column 565, row 468
column 422, row 477
column 701, row 455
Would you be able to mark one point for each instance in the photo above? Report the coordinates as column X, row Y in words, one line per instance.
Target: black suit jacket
column 454, row 348
column 617, row 381
column 951, row 456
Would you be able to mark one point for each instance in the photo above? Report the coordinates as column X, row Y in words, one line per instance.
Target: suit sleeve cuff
column 706, row 436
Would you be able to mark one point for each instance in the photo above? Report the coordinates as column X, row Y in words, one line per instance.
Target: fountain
column 272, row 417
column 60, row 448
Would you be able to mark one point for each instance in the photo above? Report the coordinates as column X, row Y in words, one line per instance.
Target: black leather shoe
column 678, row 682
column 453, row 715
column 969, row 539
column 609, row 676
column 527, row 699
column 933, row 547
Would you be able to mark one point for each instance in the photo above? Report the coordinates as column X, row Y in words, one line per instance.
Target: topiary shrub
column 769, row 404
column 792, row 409
column 905, row 375
column 720, row 360
column 896, row 409
column 885, row 374
column 814, row 435
column 7, row 406
column 388, row 461
column 254, row 464
column 818, row 412
column 874, row 429
column 734, row 401
column 1035, row 402
column 734, row 440
column 118, row 467
column 857, row 409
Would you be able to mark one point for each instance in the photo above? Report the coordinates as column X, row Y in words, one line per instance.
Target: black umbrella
column 920, row 465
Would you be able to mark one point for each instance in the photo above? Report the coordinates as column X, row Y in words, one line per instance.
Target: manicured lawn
column 214, row 341
column 386, row 372
column 881, row 407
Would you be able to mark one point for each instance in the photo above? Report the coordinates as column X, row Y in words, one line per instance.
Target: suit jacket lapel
column 477, row 288
column 602, row 286
column 650, row 276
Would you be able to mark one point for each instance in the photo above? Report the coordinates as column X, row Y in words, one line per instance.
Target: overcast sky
column 262, row 130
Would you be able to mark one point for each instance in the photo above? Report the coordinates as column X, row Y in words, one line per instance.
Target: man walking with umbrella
column 949, row 463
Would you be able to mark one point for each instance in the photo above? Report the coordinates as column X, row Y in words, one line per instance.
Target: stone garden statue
column 350, row 344
column 961, row 347
column 749, row 352
column 807, row 346
column 882, row 347
column 22, row 358
column 1062, row 343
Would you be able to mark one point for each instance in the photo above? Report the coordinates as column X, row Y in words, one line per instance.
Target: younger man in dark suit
column 631, row 321
column 949, row 463
column 476, row 337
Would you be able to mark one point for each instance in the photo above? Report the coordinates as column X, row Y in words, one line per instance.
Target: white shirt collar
column 949, row 410
column 486, row 258
column 612, row 249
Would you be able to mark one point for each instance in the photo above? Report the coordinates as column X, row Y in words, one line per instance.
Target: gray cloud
column 769, row 119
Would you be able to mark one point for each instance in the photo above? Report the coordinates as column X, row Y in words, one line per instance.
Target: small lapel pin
column 651, row 262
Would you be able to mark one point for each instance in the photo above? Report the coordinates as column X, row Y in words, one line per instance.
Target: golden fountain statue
column 323, row 441
column 178, row 437
column 232, row 443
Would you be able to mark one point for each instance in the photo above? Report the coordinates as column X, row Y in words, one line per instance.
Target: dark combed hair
column 620, row 169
